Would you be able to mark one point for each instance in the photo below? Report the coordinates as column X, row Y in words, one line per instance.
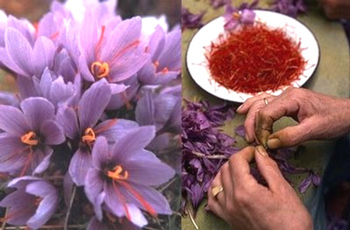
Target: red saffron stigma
column 254, row 59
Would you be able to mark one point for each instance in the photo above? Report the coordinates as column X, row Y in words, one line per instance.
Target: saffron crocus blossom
column 115, row 57
column 81, row 125
column 49, row 86
column 32, row 203
column 28, row 135
column 121, row 176
column 165, row 63
column 23, row 58
column 110, row 224
column 235, row 17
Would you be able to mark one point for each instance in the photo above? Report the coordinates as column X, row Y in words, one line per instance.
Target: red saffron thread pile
column 255, row 59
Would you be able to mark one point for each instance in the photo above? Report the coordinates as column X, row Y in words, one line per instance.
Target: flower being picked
column 32, row 203
column 28, row 135
column 120, row 179
column 236, row 16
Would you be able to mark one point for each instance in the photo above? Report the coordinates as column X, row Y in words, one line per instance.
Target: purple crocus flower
column 111, row 224
column 115, row 57
column 165, row 62
column 236, row 16
column 28, row 135
column 121, row 176
column 190, row 20
column 26, row 59
column 32, row 203
column 312, row 179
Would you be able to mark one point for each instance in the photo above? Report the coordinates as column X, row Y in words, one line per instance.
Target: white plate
column 196, row 60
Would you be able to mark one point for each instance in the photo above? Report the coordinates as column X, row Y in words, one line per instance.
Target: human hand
column 319, row 116
column 246, row 204
column 336, row 9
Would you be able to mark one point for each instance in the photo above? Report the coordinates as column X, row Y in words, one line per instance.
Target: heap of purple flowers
column 99, row 104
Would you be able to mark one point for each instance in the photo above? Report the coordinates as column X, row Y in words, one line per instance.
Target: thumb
column 289, row 136
column 268, row 169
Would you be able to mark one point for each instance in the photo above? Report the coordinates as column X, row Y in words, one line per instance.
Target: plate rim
column 277, row 92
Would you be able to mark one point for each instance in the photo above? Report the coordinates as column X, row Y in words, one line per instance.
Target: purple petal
column 247, row 16
column 147, row 169
column 126, row 32
column 19, row 50
column 93, row 185
column 43, row 54
column 136, row 215
column 67, row 119
column 13, row 121
column 305, row 184
column 145, row 110
column 112, row 200
column 44, row 163
column 240, row 131
column 100, row 153
column 67, row 188
column 98, row 205
column 6, row 60
column 52, row 132
column 155, row 199
column 126, row 147
column 46, row 207
column 79, row 166
column 93, row 103
column 37, row 110
column 117, row 131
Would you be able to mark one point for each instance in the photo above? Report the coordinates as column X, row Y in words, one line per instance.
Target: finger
column 213, row 203
column 239, row 166
column 249, row 123
column 268, row 115
column 268, row 169
column 227, row 184
column 290, row 136
column 243, row 109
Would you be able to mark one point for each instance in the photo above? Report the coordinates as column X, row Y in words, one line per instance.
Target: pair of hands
column 246, row 204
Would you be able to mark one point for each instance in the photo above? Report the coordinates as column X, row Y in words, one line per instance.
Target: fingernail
column 274, row 143
column 240, row 107
column 261, row 151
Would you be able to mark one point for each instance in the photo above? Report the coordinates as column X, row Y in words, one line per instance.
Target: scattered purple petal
column 190, row 20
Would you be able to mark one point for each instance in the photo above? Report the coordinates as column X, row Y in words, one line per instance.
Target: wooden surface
column 332, row 77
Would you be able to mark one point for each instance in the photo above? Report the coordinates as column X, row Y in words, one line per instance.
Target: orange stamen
column 116, row 173
column 89, row 136
column 99, row 69
column 236, row 15
column 30, row 139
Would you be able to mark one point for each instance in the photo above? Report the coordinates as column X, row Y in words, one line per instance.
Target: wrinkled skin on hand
column 319, row 116
column 336, row 9
column 247, row 205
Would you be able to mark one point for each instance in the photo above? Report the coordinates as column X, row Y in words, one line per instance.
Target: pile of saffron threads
column 255, row 58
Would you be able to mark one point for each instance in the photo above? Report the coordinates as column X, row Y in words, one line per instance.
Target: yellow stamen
column 236, row 15
column 89, row 136
column 99, row 69
column 156, row 64
column 116, row 173
column 30, row 139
